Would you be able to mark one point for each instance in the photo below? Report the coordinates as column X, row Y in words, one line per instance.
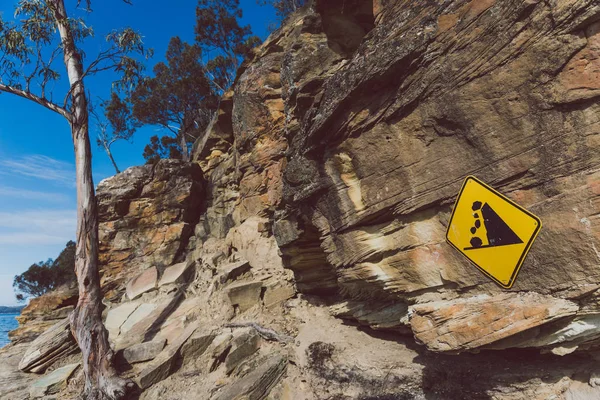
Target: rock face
column 319, row 199
column 54, row 344
column 43, row 312
column 471, row 323
column 147, row 216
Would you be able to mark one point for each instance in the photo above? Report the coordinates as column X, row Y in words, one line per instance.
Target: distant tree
column 283, row 8
column 218, row 31
column 47, row 275
column 179, row 98
column 164, row 147
column 117, row 123
column 41, row 33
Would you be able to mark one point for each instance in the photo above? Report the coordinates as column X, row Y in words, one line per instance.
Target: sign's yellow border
column 527, row 248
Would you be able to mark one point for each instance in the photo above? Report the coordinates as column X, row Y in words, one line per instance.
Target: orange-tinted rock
column 471, row 323
column 43, row 312
column 146, row 216
column 142, row 283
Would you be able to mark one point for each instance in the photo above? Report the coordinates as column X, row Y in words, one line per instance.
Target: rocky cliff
column 302, row 255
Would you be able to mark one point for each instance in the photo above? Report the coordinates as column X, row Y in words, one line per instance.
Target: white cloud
column 40, row 167
column 6, row 191
column 39, row 227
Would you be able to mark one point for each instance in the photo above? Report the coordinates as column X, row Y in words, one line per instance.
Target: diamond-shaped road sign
column 492, row 231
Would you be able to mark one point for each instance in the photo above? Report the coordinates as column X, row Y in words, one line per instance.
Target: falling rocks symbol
column 498, row 232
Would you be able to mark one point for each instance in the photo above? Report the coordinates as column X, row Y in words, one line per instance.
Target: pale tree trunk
column 112, row 160
column 101, row 379
column 185, row 153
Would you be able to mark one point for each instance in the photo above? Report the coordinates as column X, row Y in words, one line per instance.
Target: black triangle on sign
column 498, row 232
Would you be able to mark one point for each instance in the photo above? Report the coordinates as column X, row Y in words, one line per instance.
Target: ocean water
column 7, row 323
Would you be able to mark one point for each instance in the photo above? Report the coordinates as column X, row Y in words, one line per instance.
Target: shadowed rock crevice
column 300, row 245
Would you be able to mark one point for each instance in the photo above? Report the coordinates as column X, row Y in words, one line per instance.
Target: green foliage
column 183, row 95
column 179, row 98
column 218, row 30
column 165, row 147
column 47, row 275
column 119, row 116
column 31, row 50
column 283, row 8
column 116, row 123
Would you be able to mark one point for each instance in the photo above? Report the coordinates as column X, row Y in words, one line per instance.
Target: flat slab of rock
column 142, row 283
column 160, row 368
column 257, row 384
column 465, row 324
column 117, row 316
column 145, row 322
column 176, row 273
column 245, row 295
column 143, row 351
column 196, row 345
column 141, row 312
column 243, row 346
column 52, row 383
column 231, row 271
column 278, row 293
column 50, row 346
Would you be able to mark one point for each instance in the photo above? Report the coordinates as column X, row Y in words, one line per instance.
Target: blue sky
column 37, row 188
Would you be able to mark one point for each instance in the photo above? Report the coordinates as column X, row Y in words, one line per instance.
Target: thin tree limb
column 41, row 101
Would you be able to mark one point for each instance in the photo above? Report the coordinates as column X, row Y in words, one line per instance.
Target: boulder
column 245, row 295
column 231, row 271
column 471, row 323
column 14, row 384
column 278, row 292
column 242, row 347
column 257, row 384
column 145, row 322
column 218, row 349
column 49, row 347
column 53, row 382
column 196, row 345
column 142, row 351
column 160, row 368
column 177, row 273
column 142, row 283
column 139, row 314
column 117, row 316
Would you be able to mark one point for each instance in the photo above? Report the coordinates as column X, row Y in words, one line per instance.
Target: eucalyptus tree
column 31, row 45
column 283, row 8
column 179, row 98
column 115, row 123
column 218, row 31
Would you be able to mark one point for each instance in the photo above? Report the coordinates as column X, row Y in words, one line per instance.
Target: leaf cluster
column 283, row 8
column 218, row 31
column 30, row 50
column 47, row 275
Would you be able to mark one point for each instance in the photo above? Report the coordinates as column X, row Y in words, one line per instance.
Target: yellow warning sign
column 492, row 231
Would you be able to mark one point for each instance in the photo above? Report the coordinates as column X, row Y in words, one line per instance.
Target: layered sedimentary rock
column 147, row 215
column 355, row 125
column 43, row 312
column 434, row 93
column 315, row 212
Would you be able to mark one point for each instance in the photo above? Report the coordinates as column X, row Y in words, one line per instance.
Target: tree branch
column 41, row 101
